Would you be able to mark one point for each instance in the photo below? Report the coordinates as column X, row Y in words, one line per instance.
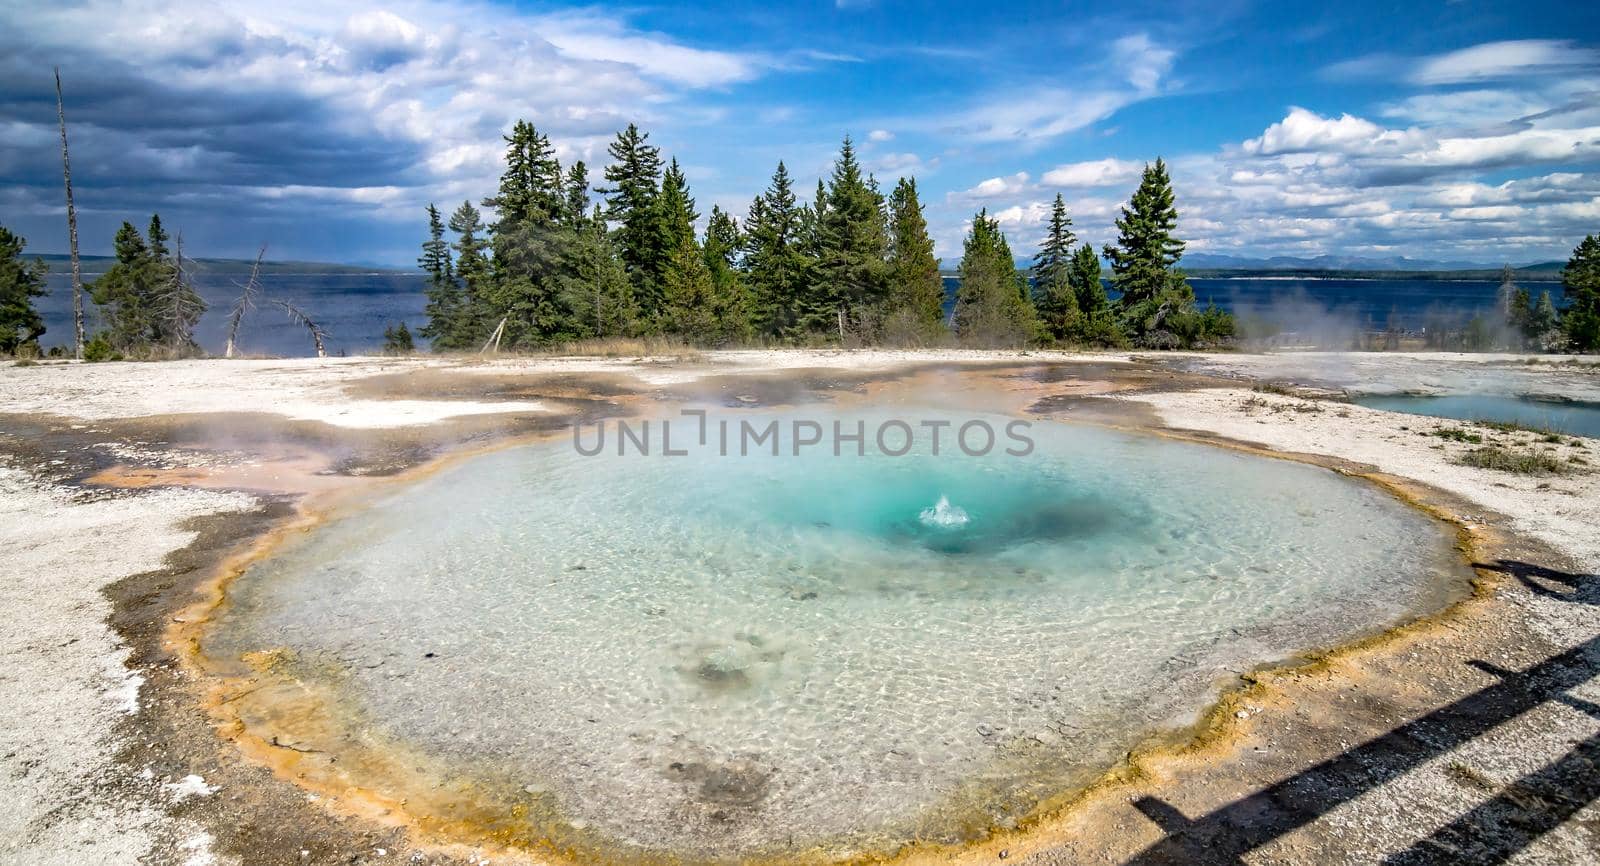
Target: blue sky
column 1448, row 130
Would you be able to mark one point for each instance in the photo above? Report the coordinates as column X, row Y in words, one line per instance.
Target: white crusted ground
column 314, row 389
column 63, row 682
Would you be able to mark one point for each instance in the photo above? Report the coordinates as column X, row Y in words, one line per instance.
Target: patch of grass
column 1455, row 434
column 1273, row 388
column 26, row 362
column 1253, row 403
column 1514, row 427
column 1516, row 462
column 625, row 347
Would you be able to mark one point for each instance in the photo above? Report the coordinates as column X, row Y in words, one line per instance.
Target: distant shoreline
column 1421, row 276
column 59, row 262
column 1475, row 276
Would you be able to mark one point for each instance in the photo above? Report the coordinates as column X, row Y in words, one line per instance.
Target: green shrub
column 1516, row 462
column 1456, row 434
column 99, row 348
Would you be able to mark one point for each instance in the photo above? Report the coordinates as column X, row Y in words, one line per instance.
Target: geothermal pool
column 1572, row 418
column 715, row 658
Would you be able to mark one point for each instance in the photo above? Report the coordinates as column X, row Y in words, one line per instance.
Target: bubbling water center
column 719, row 658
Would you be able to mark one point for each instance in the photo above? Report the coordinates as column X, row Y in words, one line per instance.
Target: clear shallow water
column 1577, row 419
column 722, row 657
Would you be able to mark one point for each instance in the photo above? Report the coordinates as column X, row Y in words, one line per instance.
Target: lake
column 354, row 308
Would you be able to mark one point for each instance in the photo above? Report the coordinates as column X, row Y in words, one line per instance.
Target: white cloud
column 996, row 187
column 1499, row 60
column 1489, row 61
column 1463, row 107
column 880, row 135
column 587, row 37
column 1099, row 172
column 1037, row 115
column 899, row 164
column 1311, row 185
column 397, row 103
column 1021, row 216
column 1142, row 61
column 1032, row 113
column 1303, row 131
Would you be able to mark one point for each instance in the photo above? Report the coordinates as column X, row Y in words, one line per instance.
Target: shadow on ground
column 1494, row 831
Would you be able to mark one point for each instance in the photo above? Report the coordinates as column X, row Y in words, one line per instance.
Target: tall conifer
column 916, row 291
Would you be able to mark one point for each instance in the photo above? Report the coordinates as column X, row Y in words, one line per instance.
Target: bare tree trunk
column 493, row 343
column 299, row 317
column 72, row 226
column 246, row 299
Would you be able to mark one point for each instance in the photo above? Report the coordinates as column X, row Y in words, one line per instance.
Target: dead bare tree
column 300, row 318
column 72, row 225
column 180, row 305
column 245, row 302
column 493, row 343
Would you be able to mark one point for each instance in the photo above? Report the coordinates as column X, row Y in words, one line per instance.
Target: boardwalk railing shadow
column 1492, row 832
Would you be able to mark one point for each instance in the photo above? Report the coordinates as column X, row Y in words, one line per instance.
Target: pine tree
column 20, row 282
column 1097, row 321
column 730, row 298
column 1146, row 250
column 444, row 295
column 595, row 289
column 776, row 265
column 126, row 292
column 577, row 194
column 635, row 177
column 397, row 340
column 1543, row 321
column 915, row 289
column 531, row 188
column 852, row 241
column 1580, row 282
column 1087, row 288
column 992, row 308
column 1157, row 303
column 675, row 213
column 158, row 238
column 687, row 296
column 1053, row 293
column 671, row 262
column 470, row 326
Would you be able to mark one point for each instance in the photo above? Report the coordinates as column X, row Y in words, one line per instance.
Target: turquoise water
column 720, row 657
column 1576, row 419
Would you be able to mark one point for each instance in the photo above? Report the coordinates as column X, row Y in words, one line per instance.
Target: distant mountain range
column 1209, row 261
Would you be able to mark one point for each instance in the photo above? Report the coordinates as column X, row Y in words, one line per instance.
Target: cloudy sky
column 1440, row 130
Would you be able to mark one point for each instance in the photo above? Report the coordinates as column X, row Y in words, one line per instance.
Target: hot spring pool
column 1574, row 419
column 722, row 657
